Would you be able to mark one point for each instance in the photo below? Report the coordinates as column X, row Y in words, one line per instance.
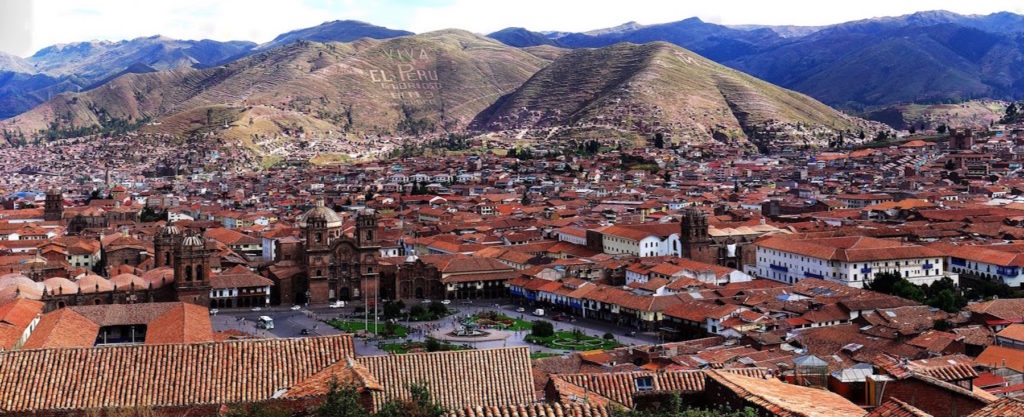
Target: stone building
column 339, row 267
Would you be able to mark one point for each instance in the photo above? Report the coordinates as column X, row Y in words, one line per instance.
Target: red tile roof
column 457, row 379
column 139, row 376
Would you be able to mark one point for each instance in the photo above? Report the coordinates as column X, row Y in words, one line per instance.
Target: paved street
column 289, row 323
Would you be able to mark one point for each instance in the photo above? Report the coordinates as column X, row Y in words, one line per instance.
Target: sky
column 27, row 26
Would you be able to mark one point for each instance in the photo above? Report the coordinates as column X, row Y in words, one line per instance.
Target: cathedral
column 191, row 257
column 339, row 267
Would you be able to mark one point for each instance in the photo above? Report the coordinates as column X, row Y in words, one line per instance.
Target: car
column 446, row 302
column 538, row 312
column 631, row 333
column 520, row 310
column 337, row 304
column 304, row 332
column 214, row 311
column 257, row 309
column 426, row 301
column 296, row 307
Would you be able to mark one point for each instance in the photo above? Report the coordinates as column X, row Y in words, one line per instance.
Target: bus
column 265, row 323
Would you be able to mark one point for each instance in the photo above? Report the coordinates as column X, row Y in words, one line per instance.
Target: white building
column 641, row 241
column 996, row 262
column 848, row 260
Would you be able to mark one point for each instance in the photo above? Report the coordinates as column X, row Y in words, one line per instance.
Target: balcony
column 809, row 274
column 865, row 270
column 927, row 266
column 779, row 268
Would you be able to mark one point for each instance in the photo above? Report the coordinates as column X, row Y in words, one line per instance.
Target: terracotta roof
column 618, row 388
column 849, row 249
column 15, row 317
column 534, row 410
column 345, row 373
column 490, row 377
column 786, row 400
column 161, row 375
column 1002, row 357
column 1004, row 407
column 896, row 408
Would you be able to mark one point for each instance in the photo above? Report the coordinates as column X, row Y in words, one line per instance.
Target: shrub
column 432, row 345
column 609, row 336
column 542, row 328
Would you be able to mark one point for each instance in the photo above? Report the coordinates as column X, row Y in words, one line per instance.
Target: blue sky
column 25, row 27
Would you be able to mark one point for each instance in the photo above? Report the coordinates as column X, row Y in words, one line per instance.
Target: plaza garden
column 359, row 327
column 544, row 334
column 495, row 320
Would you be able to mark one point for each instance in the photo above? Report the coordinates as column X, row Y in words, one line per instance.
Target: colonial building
column 339, row 267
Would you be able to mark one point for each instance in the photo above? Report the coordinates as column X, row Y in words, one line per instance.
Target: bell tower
column 53, row 209
column 694, row 240
column 192, row 261
column 366, row 228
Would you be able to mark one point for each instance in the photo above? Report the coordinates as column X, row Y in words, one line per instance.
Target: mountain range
column 925, row 57
column 334, row 76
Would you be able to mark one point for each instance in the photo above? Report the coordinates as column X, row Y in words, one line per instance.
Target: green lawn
column 360, row 326
column 568, row 341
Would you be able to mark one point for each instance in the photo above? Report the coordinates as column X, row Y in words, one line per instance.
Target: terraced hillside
column 432, row 82
column 658, row 87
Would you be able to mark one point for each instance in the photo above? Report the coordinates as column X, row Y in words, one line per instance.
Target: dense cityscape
column 235, row 252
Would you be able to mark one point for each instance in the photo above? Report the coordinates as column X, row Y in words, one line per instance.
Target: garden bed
column 573, row 341
column 381, row 329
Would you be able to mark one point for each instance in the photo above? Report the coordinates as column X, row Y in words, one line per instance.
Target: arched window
column 167, row 258
column 188, row 272
column 199, row 273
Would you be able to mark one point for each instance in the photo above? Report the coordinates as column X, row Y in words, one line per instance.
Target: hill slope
column 334, row 31
column 656, row 87
column 522, row 38
column 432, row 82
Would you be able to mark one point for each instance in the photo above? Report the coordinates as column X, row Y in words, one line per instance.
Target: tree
column 393, row 309
column 341, row 402
column 912, row 130
column 256, row 410
column 432, row 345
column 659, row 140
column 417, row 311
column 437, row 310
column 542, row 328
column 941, row 129
column 1012, row 114
column 419, row 405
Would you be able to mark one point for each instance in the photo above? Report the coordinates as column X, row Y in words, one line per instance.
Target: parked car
column 257, row 309
column 304, row 332
column 214, row 311
column 520, row 310
column 446, row 302
column 538, row 312
column 337, row 304
column 296, row 307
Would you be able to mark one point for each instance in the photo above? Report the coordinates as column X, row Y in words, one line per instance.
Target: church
column 338, row 266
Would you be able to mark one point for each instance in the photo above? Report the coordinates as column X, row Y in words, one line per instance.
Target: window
column 644, row 383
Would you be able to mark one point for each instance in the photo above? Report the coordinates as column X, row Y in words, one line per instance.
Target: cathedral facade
column 339, row 267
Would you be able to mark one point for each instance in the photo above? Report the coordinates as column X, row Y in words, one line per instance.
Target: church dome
column 19, row 284
column 129, row 281
column 320, row 212
column 58, row 285
column 158, row 277
column 94, row 283
column 193, row 241
column 169, row 230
